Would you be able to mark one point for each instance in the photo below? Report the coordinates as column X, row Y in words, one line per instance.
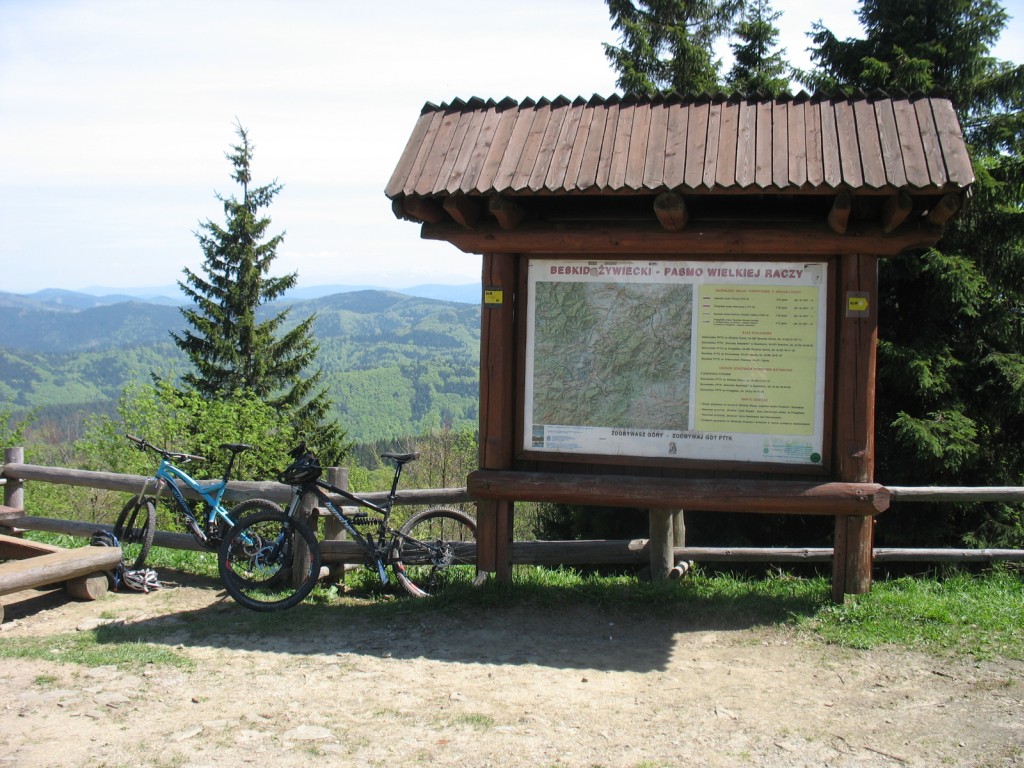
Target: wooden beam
column 56, row 567
column 944, row 210
column 839, row 216
column 424, row 209
column 699, row 238
column 761, row 496
column 509, row 215
column 895, row 210
column 463, row 210
column 670, row 208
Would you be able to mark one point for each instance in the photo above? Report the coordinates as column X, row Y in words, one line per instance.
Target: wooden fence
column 548, row 553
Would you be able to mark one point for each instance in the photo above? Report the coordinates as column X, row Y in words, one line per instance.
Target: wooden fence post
column 333, row 529
column 14, row 490
column 662, row 555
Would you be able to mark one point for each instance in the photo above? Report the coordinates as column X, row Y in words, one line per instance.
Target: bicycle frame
column 168, row 476
column 376, row 548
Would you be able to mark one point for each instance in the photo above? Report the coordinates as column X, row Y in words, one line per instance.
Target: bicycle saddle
column 401, row 458
column 236, row 447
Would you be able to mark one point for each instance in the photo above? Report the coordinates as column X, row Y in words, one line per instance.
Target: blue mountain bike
column 136, row 524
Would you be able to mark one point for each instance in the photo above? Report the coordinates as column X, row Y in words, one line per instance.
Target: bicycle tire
column 134, row 531
column 256, row 559
column 428, row 557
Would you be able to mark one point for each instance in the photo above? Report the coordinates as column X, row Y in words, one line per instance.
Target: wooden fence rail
column 604, row 552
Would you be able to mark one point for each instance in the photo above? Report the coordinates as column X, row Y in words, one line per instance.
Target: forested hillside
column 394, row 363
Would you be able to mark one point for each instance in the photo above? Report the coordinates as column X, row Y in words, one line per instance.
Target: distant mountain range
column 394, row 363
column 171, row 296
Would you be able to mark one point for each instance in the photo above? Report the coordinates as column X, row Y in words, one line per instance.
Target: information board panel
column 722, row 361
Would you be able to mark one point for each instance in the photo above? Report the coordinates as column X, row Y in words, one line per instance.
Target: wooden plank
column 531, row 148
column 513, row 150
column 470, row 143
column 780, row 145
column 546, row 148
column 591, row 159
column 572, row 171
column 452, row 154
column 397, row 184
column 712, row 149
column 889, row 143
column 607, row 147
column 696, row 144
column 657, row 142
column 675, row 145
column 746, row 144
column 442, row 140
column 725, row 175
column 620, row 148
column 928, row 133
column 849, row 146
column 560, row 159
column 954, row 151
column 916, row 163
column 726, row 495
column 763, row 146
column 638, row 141
column 56, row 567
column 797, row 132
column 870, row 144
column 10, row 512
column 15, row 548
column 833, row 171
column 496, row 146
column 793, row 238
column 813, row 138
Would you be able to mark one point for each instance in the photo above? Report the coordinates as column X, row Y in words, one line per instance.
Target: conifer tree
column 950, row 401
column 669, row 44
column 759, row 65
column 230, row 347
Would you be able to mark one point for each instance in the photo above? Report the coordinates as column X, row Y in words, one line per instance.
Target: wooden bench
column 33, row 564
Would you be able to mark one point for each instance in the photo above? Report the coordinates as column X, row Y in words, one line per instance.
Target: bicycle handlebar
column 143, row 445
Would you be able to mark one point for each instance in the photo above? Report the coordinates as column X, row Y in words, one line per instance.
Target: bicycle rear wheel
column 436, row 549
column 256, row 561
column 220, row 527
column 134, row 531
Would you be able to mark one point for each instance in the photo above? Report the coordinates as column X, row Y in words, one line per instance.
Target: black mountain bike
column 430, row 551
column 136, row 524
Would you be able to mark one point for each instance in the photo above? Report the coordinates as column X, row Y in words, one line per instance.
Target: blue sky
column 115, row 117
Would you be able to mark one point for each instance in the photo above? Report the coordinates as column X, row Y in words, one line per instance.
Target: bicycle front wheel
column 219, row 528
column 258, row 564
column 436, row 549
column 134, row 531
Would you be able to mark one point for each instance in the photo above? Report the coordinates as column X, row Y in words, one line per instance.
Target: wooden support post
column 839, row 216
column 895, row 210
column 463, row 210
column 945, row 210
column 509, row 215
column 14, row 490
column 662, row 556
column 855, row 409
column 333, row 529
column 301, row 560
column 423, row 209
column 670, row 208
column 497, row 406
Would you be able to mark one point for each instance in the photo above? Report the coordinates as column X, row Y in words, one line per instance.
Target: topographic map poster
column 688, row 360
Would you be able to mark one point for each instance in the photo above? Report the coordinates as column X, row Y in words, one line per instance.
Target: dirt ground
column 572, row 686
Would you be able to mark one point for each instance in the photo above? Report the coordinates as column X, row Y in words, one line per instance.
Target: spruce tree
column 950, row 398
column 759, row 66
column 669, row 44
column 230, row 347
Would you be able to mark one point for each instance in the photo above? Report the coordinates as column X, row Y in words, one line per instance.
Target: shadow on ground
column 552, row 627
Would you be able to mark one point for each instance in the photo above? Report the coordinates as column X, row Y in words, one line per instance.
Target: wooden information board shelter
column 679, row 295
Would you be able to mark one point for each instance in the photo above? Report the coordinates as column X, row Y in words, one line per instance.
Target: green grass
column 118, row 647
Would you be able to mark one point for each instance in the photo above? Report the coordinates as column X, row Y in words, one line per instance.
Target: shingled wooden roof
column 893, row 162
column 684, row 144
